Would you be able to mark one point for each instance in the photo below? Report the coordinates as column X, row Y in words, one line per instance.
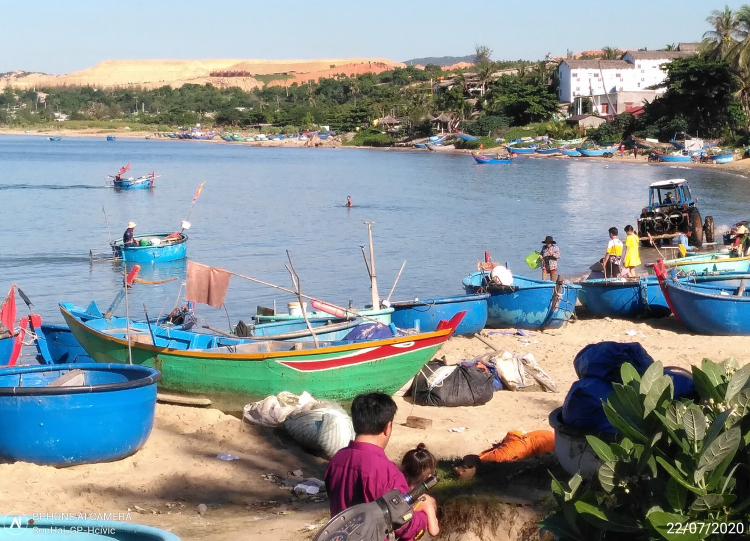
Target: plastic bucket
column 155, row 241
column 295, row 309
column 144, row 242
column 533, row 261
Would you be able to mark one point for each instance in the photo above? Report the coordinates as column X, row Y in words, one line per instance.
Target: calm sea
column 437, row 212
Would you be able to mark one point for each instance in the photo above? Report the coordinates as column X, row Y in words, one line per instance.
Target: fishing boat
column 673, row 158
column 426, row 314
column 438, row 148
column 466, row 137
column 521, row 150
column 153, row 247
column 486, row 159
column 381, row 315
column 227, row 138
column 528, row 303
column 591, row 152
column 75, row 414
column 572, row 152
column 718, row 157
column 548, row 151
column 145, row 181
column 51, row 529
column 198, row 363
column 715, row 262
column 420, row 145
column 55, row 138
column 567, row 142
column 111, row 138
column 622, row 297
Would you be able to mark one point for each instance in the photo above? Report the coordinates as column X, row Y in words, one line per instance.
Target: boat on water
column 153, row 248
column 218, row 365
column 55, row 138
column 438, row 148
column 142, row 182
column 466, row 137
column 528, row 303
column 426, row 314
column 521, row 150
column 714, row 262
column 111, row 138
column 487, row 160
column 572, row 152
column 75, row 414
column 714, row 308
column 550, row 151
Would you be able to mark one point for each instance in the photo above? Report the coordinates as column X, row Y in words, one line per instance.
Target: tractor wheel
column 708, row 229
column 696, row 226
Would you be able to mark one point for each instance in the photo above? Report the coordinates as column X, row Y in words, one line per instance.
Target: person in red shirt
column 361, row 472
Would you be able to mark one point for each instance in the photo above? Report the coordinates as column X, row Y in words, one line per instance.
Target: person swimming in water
column 349, row 201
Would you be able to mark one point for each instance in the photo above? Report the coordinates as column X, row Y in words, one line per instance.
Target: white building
column 614, row 84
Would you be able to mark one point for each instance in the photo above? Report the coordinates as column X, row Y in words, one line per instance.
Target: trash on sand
column 261, row 518
column 227, row 456
column 297, row 473
column 631, row 333
column 202, row 508
column 458, row 429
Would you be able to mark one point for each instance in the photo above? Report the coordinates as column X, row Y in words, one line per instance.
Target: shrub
column 680, row 470
column 371, row 138
column 487, row 125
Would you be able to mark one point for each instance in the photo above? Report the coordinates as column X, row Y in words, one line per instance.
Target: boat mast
column 373, row 276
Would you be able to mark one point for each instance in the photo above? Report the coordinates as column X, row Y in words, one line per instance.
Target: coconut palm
column 717, row 43
column 611, row 53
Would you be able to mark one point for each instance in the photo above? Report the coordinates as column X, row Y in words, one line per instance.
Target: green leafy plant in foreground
column 680, row 470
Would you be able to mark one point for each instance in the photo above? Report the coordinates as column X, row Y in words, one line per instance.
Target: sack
column 583, row 409
column 369, row 331
column 603, row 360
column 273, row 410
column 322, row 427
column 462, row 386
column 519, row 446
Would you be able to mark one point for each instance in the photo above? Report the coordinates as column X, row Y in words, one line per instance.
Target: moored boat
column 111, row 138
column 75, row 414
column 521, row 150
column 486, row 159
column 621, row 297
column 548, row 151
column 197, row 363
column 528, row 303
column 438, row 148
column 55, row 138
column 592, row 152
column 381, row 315
column 673, row 158
column 466, row 137
column 426, row 314
column 572, row 152
column 707, row 263
column 567, row 142
column 154, row 247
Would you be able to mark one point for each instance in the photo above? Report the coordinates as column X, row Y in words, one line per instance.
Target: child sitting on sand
column 418, row 464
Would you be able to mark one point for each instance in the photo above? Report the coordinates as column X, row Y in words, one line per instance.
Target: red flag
column 8, row 310
column 198, row 192
column 125, row 169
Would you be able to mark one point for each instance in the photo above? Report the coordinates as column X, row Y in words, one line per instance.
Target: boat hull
column 595, row 152
column 171, row 251
column 57, row 345
column 570, row 152
column 6, row 349
column 548, row 151
column 439, row 148
column 466, row 137
column 107, row 418
column 708, row 263
column 674, row 159
column 625, row 298
column 705, row 310
column 339, row 372
column 382, row 315
column 483, row 160
column 528, row 304
column 524, row 150
column 135, row 184
column 426, row 314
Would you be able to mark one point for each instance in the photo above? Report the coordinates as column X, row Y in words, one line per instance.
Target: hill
column 440, row 60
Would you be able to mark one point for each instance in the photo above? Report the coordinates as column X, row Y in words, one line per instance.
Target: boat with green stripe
column 215, row 365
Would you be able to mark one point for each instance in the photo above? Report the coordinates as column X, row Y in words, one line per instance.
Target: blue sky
column 55, row 36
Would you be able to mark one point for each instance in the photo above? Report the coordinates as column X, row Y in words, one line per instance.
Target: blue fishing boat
column 718, row 158
column 548, row 151
column 52, row 529
column 227, row 138
column 485, row 159
column 143, row 182
column 466, row 137
column 521, row 150
column 570, row 152
column 420, row 145
column 75, row 414
column 154, row 247
column 56, row 138
column 528, row 303
column 425, row 314
column 673, row 158
column 382, row 315
column 606, row 152
column 621, row 297
column 111, row 138
column 715, row 308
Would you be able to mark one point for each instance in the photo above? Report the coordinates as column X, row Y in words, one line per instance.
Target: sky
column 55, row 36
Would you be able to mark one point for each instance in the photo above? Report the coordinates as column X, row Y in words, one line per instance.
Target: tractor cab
column 672, row 210
column 667, row 193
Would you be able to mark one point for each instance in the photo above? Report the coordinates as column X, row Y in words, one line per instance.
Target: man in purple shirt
column 361, row 472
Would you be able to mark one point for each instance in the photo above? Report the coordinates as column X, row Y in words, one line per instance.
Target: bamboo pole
column 388, row 299
column 298, row 289
column 373, row 275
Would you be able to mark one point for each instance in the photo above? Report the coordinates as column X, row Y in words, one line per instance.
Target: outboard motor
column 376, row 520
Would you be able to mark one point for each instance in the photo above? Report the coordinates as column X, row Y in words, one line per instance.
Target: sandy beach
column 177, row 470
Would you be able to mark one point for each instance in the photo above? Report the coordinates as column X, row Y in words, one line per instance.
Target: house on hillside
column 614, row 85
column 586, row 121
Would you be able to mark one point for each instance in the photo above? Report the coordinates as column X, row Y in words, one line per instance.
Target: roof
column 635, row 110
column 442, row 118
column 576, row 118
column 596, row 64
column 665, row 183
column 659, row 55
column 688, row 46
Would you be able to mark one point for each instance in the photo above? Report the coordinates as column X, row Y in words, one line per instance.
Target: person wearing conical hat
column 550, row 254
column 127, row 237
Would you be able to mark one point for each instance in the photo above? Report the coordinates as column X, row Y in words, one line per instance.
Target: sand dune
column 222, row 73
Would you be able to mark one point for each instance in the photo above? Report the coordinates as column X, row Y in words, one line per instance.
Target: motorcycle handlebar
column 415, row 493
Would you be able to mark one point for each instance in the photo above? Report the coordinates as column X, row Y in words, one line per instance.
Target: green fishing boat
column 215, row 365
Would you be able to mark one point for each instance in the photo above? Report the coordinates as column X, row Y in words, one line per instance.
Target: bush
column 371, row 138
column 678, row 466
column 487, row 125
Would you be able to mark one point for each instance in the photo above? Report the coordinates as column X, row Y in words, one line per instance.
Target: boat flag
column 125, row 169
column 206, row 285
column 198, row 192
column 8, row 311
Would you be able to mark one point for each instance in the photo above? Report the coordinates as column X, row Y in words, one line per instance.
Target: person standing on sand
column 613, row 256
column 635, row 151
column 349, row 201
column 622, row 150
column 632, row 255
column 549, row 256
column 362, row 473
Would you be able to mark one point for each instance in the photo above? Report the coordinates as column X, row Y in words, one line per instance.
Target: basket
column 144, row 242
column 533, row 261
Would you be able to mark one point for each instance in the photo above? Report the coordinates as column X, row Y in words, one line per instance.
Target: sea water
column 439, row 212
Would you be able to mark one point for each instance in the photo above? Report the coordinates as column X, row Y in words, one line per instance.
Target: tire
column 692, row 159
column 708, row 229
column 696, row 226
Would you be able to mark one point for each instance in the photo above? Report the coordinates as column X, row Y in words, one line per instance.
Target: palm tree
column 610, row 53
column 354, row 88
column 720, row 41
column 485, row 75
column 670, row 47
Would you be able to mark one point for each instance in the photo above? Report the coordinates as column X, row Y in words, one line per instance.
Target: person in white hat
column 127, row 237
